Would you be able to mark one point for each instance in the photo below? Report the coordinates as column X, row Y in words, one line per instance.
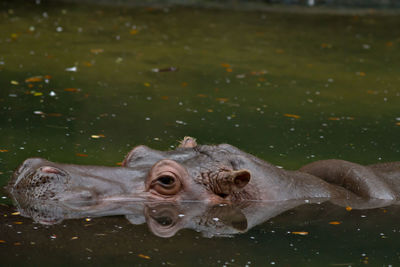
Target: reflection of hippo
column 213, row 174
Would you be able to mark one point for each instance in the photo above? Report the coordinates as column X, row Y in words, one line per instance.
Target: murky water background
column 84, row 84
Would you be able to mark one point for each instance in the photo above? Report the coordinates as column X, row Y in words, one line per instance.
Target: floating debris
column 300, row 233
column 144, row 256
column 291, row 116
column 72, row 69
column 169, row 69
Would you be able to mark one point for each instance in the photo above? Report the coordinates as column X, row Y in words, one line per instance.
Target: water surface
column 84, row 84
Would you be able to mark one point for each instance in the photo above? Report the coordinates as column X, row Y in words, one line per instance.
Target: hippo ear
column 188, row 142
column 232, row 181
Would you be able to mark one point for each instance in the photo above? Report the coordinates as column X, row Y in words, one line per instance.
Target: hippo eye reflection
column 164, row 220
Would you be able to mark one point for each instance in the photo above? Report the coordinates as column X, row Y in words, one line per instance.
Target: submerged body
column 207, row 173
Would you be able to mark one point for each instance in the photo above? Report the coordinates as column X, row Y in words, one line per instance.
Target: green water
column 290, row 88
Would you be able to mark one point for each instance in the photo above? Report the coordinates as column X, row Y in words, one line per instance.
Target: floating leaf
column 118, row 163
column 147, row 84
column 334, row 118
column 2, row 241
column 71, row 90
column 16, row 213
column 134, row 31
column 229, row 70
column 96, row 50
column 360, row 73
column 95, row 136
column 37, row 94
column 222, row 99
column 14, row 82
column 48, row 77
column 144, row 256
column 300, row 233
column 54, row 114
column 34, row 79
column 210, row 110
column 348, row 208
column 291, row 116
column 335, row 223
column 325, row 45
column 81, row 155
column 225, row 65
column 17, row 244
column 164, row 97
column 87, row 64
column 74, row 238
column 397, row 123
column 202, row 95
column 18, row 222
column 3, row 150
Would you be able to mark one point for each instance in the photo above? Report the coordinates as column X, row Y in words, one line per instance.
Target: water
column 79, row 84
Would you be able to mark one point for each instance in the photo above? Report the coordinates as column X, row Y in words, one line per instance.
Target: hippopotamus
column 207, row 173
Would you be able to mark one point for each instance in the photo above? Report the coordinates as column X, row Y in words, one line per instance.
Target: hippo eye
column 166, row 184
column 166, row 180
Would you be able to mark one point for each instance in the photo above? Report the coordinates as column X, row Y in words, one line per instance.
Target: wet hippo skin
column 209, row 173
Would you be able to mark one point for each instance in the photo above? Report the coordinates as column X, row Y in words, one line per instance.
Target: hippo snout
column 37, row 178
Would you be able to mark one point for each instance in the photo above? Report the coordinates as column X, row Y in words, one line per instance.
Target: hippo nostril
column 49, row 169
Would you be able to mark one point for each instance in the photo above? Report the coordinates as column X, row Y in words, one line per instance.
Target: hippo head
column 192, row 172
column 213, row 174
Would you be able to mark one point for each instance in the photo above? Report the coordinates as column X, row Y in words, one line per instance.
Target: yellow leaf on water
column 222, row 99
column 133, row 31
column 118, row 163
column 18, row 222
column 16, row 213
column 361, row 73
column 3, row 150
column 144, row 256
column 225, row 65
column 97, row 50
column 334, row 118
column 300, row 233
column 147, row 84
column 2, row 241
column 397, row 123
column 229, row 70
column 38, row 94
column 34, row 79
column 335, row 223
column 14, row 82
column 74, row 238
column 291, row 116
column 201, row 95
column 96, row 136
column 71, row 89
column 348, row 208
column 17, row 244
column 210, row 110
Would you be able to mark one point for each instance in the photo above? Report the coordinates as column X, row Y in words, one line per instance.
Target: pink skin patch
column 48, row 169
